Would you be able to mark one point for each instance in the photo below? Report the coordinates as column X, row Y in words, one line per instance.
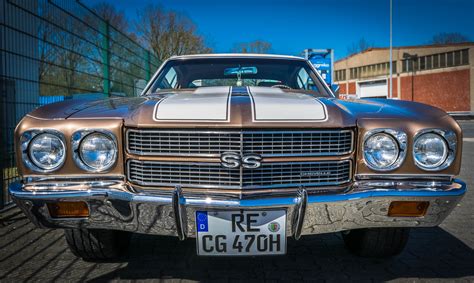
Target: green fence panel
column 51, row 50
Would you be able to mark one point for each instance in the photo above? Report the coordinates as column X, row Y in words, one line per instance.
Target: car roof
column 235, row 55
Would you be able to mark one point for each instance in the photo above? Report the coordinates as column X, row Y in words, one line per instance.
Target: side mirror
column 335, row 89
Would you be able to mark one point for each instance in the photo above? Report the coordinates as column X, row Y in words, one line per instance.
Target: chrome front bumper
column 113, row 206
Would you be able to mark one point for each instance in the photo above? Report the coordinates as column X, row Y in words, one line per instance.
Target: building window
column 340, row 75
column 449, row 59
column 353, row 72
column 421, row 63
column 457, row 58
column 442, row 60
column 435, row 61
column 429, row 66
column 465, row 57
column 407, row 65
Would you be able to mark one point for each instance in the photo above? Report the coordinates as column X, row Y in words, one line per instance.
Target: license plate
column 236, row 233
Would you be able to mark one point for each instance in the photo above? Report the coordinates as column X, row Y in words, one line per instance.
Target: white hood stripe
column 275, row 105
column 212, row 104
column 202, row 105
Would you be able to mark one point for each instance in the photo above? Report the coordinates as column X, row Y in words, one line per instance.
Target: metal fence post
column 3, row 95
column 106, row 57
column 147, row 65
column 3, row 128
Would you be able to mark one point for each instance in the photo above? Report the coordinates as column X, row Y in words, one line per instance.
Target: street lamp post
column 391, row 63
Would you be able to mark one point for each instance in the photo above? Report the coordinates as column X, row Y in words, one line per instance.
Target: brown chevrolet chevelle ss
column 240, row 152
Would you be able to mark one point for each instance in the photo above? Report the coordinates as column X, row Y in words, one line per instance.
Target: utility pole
column 391, row 63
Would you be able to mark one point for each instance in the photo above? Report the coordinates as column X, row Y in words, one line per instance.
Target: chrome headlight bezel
column 450, row 140
column 25, row 142
column 76, row 141
column 398, row 136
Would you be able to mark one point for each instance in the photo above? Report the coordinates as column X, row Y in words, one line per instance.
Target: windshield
column 262, row 72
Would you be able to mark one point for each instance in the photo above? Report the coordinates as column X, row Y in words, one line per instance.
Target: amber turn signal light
column 68, row 209
column 408, row 208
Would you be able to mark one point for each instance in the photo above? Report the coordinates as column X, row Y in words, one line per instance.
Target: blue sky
column 291, row 26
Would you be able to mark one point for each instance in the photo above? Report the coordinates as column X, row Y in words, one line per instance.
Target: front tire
column 377, row 242
column 95, row 244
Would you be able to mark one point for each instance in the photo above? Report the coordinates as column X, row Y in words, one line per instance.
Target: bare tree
column 119, row 75
column 359, row 46
column 46, row 51
column 60, row 54
column 449, row 37
column 71, row 57
column 257, row 46
column 115, row 18
column 169, row 33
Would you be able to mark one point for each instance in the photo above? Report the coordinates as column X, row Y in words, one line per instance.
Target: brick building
column 439, row 75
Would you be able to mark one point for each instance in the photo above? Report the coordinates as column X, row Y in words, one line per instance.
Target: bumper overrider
column 114, row 205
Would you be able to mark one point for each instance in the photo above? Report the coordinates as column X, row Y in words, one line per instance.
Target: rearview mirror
column 240, row 71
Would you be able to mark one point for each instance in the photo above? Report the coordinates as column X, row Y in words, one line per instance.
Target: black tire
column 97, row 244
column 377, row 242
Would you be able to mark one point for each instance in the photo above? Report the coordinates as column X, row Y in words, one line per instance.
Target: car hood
column 237, row 107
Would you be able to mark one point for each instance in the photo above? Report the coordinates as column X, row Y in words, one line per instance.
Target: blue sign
column 201, row 221
column 322, row 59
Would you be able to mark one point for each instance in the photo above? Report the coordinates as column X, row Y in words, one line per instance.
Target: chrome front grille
column 298, row 143
column 212, row 175
column 198, row 143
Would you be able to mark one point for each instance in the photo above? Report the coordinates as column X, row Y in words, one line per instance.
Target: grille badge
column 234, row 160
column 315, row 173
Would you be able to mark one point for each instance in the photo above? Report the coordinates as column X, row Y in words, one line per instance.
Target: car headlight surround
column 384, row 149
column 434, row 149
column 94, row 150
column 43, row 150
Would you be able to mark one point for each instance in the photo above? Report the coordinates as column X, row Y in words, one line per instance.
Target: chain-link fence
column 52, row 50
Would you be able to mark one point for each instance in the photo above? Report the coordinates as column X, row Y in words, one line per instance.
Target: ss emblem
column 234, row 160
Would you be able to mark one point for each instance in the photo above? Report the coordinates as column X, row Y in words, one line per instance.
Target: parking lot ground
column 441, row 253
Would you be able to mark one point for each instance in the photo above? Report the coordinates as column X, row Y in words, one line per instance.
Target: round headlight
column 430, row 151
column 47, row 151
column 98, row 151
column 381, row 151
